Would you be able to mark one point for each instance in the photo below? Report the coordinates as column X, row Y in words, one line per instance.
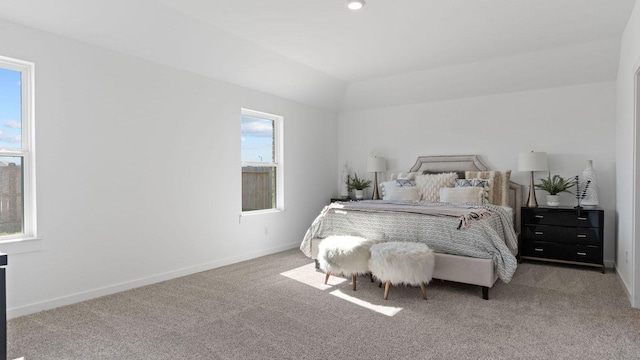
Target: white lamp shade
column 533, row 161
column 376, row 164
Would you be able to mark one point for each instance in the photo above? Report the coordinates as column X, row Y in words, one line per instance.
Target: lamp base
column 531, row 201
column 376, row 196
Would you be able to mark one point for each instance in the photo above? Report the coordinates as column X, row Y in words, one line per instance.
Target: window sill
column 17, row 246
column 260, row 212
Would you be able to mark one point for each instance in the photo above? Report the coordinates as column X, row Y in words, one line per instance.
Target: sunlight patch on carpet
column 384, row 310
column 308, row 274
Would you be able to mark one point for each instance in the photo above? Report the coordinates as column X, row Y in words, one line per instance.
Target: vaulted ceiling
column 319, row 52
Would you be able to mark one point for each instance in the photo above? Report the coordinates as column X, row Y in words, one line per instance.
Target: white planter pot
column 359, row 194
column 553, row 200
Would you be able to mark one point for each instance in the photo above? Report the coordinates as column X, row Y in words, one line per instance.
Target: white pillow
column 430, row 185
column 460, row 195
column 391, row 190
column 383, row 186
column 401, row 193
column 486, row 184
column 407, row 176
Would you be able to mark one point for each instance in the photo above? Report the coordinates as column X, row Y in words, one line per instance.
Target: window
column 261, row 138
column 17, row 193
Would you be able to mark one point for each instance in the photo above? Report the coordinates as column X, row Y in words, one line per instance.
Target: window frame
column 278, row 163
column 27, row 151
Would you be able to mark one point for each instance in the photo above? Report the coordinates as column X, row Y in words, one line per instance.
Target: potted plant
column 554, row 186
column 358, row 185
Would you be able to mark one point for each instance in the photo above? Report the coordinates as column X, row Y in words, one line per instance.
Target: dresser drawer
column 579, row 253
column 543, row 249
column 556, row 234
column 584, row 253
column 584, row 236
column 586, row 218
column 562, row 234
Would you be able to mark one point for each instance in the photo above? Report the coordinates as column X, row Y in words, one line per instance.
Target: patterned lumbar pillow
column 470, row 182
column 405, row 183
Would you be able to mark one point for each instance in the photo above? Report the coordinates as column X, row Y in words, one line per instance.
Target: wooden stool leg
column 424, row 290
column 326, row 278
column 353, row 277
column 386, row 289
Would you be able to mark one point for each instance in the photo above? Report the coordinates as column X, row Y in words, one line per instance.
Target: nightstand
column 563, row 234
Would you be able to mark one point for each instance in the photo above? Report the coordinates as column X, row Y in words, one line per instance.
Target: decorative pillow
column 430, row 172
column 459, row 195
column 383, row 186
column 405, row 183
column 407, row 176
column 402, row 193
column 484, row 184
column 499, row 184
column 470, row 182
column 430, row 185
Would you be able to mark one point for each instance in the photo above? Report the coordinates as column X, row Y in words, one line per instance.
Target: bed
column 477, row 252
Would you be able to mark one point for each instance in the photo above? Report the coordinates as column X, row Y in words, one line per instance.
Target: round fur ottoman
column 348, row 255
column 407, row 263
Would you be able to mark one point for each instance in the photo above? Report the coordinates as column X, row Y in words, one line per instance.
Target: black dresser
column 563, row 234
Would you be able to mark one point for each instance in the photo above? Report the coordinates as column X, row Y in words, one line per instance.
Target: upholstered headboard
column 462, row 163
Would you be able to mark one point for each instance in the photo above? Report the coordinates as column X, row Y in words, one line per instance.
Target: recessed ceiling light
column 355, row 4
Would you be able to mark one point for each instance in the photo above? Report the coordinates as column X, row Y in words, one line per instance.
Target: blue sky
column 257, row 139
column 10, row 111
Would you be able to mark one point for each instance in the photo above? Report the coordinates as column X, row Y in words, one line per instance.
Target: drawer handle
column 582, row 218
column 582, row 236
column 541, row 250
column 582, row 253
column 539, row 216
column 539, row 233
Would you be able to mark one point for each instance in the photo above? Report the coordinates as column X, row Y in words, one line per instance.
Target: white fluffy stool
column 348, row 255
column 408, row 263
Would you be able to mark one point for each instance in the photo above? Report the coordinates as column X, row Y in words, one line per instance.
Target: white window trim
column 278, row 164
column 27, row 70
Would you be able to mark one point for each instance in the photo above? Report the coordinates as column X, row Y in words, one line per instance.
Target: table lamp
column 532, row 161
column 376, row 164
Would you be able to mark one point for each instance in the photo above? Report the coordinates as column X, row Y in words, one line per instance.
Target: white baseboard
column 112, row 289
column 624, row 286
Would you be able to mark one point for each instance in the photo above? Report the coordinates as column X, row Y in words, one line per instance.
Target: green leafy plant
column 356, row 183
column 556, row 184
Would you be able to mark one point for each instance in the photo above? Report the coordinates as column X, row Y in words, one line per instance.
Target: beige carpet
column 277, row 307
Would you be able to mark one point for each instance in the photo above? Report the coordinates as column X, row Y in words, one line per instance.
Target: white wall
column 572, row 124
column 628, row 211
column 138, row 172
